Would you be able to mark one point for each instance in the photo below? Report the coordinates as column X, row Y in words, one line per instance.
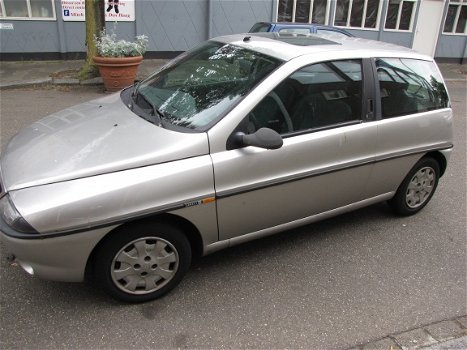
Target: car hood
column 92, row 138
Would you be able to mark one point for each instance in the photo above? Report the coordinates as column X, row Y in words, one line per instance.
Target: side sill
column 211, row 248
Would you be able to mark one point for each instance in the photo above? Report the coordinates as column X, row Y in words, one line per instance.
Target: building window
column 456, row 18
column 27, row 9
column 302, row 11
column 400, row 14
column 357, row 13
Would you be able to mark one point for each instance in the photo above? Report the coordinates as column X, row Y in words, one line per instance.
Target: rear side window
column 409, row 86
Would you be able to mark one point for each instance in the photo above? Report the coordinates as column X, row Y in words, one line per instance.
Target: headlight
column 12, row 218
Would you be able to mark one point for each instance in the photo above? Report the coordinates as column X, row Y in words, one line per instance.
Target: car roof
column 290, row 45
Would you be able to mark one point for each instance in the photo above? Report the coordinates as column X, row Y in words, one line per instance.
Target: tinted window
column 409, row 86
column 320, row 95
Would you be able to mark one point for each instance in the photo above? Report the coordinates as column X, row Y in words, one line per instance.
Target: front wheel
column 142, row 261
column 417, row 188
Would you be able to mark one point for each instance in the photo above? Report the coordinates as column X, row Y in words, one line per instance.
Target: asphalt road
column 332, row 284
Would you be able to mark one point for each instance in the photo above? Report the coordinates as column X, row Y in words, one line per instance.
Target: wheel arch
column 189, row 229
column 438, row 156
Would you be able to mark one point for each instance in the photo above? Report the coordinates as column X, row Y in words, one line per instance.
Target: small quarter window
column 409, row 86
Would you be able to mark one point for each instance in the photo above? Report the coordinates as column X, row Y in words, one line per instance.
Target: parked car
column 238, row 138
column 299, row 28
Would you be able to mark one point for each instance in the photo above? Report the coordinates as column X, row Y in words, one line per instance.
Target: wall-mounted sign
column 7, row 26
column 116, row 10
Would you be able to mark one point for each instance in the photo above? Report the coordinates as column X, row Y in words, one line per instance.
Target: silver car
column 238, row 138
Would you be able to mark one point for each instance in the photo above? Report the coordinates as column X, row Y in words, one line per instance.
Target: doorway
column 429, row 20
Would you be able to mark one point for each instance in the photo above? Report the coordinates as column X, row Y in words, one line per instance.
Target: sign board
column 115, row 11
column 7, row 26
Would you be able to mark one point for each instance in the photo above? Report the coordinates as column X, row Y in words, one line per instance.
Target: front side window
column 400, row 15
column 302, row 11
column 318, row 96
column 456, row 18
column 357, row 13
column 202, row 85
column 27, row 9
column 409, row 86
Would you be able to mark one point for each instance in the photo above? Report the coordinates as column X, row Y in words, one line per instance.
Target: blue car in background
column 299, row 28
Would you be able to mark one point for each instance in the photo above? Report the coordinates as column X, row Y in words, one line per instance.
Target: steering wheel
column 283, row 110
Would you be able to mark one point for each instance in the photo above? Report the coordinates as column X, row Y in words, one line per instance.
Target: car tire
column 417, row 188
column 142, row 261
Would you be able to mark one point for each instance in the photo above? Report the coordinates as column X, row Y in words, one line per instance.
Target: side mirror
column 263, row 138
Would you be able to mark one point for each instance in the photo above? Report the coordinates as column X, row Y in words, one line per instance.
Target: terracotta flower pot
column 117, row 72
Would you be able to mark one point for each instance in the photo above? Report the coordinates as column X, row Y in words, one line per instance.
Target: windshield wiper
column 157, row 114
column 135, row 88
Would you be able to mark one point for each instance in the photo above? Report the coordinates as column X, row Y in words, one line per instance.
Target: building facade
column 55, row 29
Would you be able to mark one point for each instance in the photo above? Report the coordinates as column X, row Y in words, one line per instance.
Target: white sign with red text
column 115, row 11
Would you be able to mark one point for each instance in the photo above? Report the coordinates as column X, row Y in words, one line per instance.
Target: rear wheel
column 417, row 188
column 142, row 261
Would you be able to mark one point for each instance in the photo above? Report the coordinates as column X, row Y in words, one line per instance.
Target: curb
column 446, row 334
column 53, row 81
column 45, row 81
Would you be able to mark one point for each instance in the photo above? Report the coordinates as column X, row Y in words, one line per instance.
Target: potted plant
column 118, row 60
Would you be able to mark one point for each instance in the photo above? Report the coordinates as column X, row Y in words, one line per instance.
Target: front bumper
column 59, row 258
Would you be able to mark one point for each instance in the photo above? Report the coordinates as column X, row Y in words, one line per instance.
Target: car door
column 326, row 158
column 413, row 118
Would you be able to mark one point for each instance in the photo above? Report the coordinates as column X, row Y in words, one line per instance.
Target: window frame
column 399, row 14
column 349, row 12
column 367, row 94
column 459, row 4
column 4, row 17
column 379, row 97
column 310, row 18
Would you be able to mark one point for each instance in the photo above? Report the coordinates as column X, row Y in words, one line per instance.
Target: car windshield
column 199, row 87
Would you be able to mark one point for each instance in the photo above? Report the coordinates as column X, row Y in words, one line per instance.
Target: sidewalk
column 16, row 74
column 444, row 335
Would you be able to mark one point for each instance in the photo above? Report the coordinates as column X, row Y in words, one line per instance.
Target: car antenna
column 247, row 38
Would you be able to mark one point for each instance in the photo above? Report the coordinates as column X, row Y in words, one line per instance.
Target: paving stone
column 414, row 339
column 92, row 81
column 463, row 321
column 383, row 344
column 445, row 330
column 66, row 81
column 454, row 344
